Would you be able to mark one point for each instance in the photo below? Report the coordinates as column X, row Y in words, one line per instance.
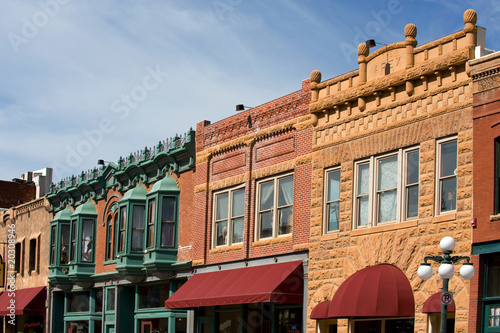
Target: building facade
column 391, row 176
column 252, row 212
column 120, row 242
column 485, row 289
column 24, row 249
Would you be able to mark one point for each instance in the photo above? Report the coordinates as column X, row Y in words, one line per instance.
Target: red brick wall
column 486, row 128
column 242, row 149
column 13, row 194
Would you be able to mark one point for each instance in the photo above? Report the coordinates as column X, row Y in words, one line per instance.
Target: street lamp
column 446, row 272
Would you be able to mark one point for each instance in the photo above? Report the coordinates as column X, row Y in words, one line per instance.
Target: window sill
column 224, row 249
column 330, row 236
column 272, row 241
column 109, row 262
column 494, row 218
column 383, row 228
column 444, row 218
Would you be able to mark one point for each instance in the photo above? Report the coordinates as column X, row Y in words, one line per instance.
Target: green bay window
column 82, row 249
column 59, row 246
column 162, row 224
column 130, row 231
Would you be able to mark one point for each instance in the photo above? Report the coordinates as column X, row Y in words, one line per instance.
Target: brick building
column 391, row 176
column 24, row 249
column 485, row 288
column 252, row 213
column 120, row 242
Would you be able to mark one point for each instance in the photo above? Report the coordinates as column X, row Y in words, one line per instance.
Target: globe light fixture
column 446, row 270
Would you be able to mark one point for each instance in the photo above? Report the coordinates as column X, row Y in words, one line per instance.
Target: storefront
column 261, row 298
column 24, row 310
column 374, row 299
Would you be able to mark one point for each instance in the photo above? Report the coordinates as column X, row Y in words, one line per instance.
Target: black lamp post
column 446, row 272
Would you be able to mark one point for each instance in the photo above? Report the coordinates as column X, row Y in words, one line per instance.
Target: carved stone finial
column 470, row 16
column 362, row 49
column 411, row 30
column 316, row 76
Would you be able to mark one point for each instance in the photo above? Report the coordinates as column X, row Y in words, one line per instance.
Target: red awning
column 433, row 304
column 279, row 283
column 375, row 291
column 30, row 301
column 320, row 311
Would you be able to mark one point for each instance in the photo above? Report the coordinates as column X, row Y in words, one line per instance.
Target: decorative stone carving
column 315, row 76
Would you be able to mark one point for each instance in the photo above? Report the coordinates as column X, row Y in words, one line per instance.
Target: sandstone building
column 391, row 176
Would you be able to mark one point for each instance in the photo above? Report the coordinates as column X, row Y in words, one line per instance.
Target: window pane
column 73, row 240
column 64, row 244
column 387, row 206
column 387, row 173
column 286, row 220
column 412, row 167
column 412, row 201
column 334, row 185
column 221, row 233
column 167, row 234
column 110, row 299
column 363, row 178
column 333, row 215
column 399, row 326
column 363, row 211
column 493, row 277
column 266, row 196
column 448, row 194
column 137, row 227
column 78, row 302
column 266, row 224
column 153, row 296
column 285, row 197
column 98, row 300
column 448, row 158
column 238, row 230
column 53, row 245
column 87, row 244
column 238, row 206
column 168, row 209
column 494, row 316
column 221, row 206
column 109, row 236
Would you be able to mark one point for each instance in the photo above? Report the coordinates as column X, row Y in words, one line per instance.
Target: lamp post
column 446, row 271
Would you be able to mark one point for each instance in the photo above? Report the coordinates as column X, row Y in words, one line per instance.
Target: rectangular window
column 53, row 239
column 33, row 255
column 110, row 299
column 167, row 222
column 78, row 301
column 109, row 238
column 386, row 188
column 138, row 228
column 150, row 232
column 332, row 206
column 447, row 176
column 17, row 262
column 64, row 244
column 87, row 240
column 153, row 296
column 72, row 251
column 275, row 207
column 229, row 217
column 120, row 248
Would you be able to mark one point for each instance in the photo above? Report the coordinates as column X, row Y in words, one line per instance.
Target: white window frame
column 401, row 186
column 326, row 212
column 439, row 144
column 230, row 218
column 275, row 208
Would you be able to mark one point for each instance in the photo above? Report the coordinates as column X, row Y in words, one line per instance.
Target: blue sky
column 88, row 80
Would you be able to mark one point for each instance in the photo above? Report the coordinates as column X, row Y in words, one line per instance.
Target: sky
column 97, row 79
